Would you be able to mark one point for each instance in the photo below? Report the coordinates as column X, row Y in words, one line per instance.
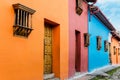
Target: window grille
column 23, row 20
column 79, row 8
column 106, row 44
column 86, row 39
column 98, row 42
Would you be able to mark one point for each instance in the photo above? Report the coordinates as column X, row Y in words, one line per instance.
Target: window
column 23, row 20
column 106, row 45
column 110, row 48
column 98, row 42
column 79, row 9
column 86, row 39
column 118, row 51
column 114, row 49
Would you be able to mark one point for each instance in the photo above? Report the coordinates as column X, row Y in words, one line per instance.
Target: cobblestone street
column 104, row 76
column 102, row 73
column 115, row 76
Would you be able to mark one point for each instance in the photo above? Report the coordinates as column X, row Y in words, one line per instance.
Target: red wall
column 78, row 23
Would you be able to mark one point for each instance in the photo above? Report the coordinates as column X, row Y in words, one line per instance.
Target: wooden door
column 48, row 49
column 116, row 55
column 110, row 58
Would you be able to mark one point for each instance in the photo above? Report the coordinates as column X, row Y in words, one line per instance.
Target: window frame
column 79, row 8
column 106, row 45
column 86, row 39
column 23, row 20
column 114, row 50
column 109, row 47
column 118, row 51
column 99, row 42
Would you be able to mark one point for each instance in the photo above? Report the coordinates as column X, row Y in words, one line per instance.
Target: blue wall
column 97, row 58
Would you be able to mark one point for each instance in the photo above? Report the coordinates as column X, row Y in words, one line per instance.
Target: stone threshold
column 49, row 76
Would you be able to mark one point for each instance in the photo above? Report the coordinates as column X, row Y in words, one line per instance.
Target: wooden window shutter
column 79, row 8
column 86, row 39
column 118, row 51
column 106, row 45
column 114, row 49
column 98, row 42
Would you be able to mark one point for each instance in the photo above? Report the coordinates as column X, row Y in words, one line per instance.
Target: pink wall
column 78, row 23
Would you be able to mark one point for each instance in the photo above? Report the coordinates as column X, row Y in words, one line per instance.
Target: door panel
column 48, row 49
column 116, row 55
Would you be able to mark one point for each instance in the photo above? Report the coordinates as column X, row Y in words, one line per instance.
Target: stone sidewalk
column 100, row 71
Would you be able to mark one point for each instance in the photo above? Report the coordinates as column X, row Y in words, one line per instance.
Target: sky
column 111, row 9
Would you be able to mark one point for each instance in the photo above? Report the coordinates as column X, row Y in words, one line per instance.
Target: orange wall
column 116, row 57
column 22, row 58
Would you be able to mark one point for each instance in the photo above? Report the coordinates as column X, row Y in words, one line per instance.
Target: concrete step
column 49, row 76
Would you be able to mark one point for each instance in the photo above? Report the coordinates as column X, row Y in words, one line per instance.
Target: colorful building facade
column 78, row 26
column 55, row 39
column 34, row 39
column 115, row 48
column 99, row 29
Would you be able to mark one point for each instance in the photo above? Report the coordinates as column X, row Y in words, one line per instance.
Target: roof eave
column 115, row 35
column 91, row 0
column 97, row 12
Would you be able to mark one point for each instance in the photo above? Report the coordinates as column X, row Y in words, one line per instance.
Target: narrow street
column 60, row 40
column 106, row 73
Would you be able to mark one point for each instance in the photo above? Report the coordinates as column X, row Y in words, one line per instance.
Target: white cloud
column 111, row 9
column 106, row 1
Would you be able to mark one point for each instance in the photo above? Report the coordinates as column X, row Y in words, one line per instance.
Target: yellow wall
column 22, row 58
column 115, row 58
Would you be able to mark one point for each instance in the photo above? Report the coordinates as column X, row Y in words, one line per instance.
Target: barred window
column 86, row 39
column 114, row 49
column 106, row 45
column 79, row 8
column 98, row 42
column 23, row 20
